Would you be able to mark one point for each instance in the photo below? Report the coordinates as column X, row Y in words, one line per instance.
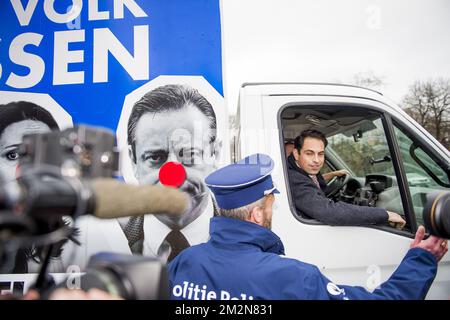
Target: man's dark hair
column 299, row 140
column 23, row 110
column 168, row 98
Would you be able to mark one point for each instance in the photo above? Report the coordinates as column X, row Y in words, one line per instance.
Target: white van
column 378, row 143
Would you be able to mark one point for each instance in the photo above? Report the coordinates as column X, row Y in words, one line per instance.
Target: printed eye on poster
column 148, row 71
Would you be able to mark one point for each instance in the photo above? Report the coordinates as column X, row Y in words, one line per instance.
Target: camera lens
column 436, row 214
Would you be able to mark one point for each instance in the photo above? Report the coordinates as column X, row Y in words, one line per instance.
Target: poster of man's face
column 176, row 121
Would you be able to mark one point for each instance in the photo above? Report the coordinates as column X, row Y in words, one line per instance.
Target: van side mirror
column 436, row 214
column 417, row 158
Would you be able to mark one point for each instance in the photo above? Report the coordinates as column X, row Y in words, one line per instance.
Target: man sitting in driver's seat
column 308, row 188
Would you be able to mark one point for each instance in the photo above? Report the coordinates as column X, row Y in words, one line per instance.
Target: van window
column 423, row 173
column 356, row 142
column 365, row 151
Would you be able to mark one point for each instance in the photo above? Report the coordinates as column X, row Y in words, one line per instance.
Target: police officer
column 243, row 259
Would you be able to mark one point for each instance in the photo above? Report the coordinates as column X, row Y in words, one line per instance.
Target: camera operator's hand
column 92, row 294
column 437, row 246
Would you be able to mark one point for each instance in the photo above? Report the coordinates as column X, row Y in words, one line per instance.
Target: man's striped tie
column 314, row 179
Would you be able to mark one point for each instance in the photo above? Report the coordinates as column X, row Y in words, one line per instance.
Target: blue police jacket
column 242, row 261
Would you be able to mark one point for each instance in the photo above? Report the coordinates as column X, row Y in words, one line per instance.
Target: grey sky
column 333, row 40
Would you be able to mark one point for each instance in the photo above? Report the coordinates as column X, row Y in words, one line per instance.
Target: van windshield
column 363, row 149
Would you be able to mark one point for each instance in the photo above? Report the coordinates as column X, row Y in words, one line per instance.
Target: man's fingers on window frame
column 400, row 225
column 396, row 225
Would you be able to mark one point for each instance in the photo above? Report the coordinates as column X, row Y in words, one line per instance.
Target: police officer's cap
column 242, row 183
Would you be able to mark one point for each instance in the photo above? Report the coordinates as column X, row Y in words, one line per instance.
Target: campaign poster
column 142, row 69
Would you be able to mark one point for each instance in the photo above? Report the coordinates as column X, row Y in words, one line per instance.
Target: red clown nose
column 172, row 174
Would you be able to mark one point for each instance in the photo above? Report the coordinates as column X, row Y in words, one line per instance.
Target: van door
column 426, row 171
column 365, row 140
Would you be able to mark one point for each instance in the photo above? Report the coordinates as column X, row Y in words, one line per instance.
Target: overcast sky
column 400, row 41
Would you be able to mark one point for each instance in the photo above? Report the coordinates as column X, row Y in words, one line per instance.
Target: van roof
column 274, row 88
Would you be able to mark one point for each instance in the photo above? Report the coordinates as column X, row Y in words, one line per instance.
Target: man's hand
column 330, row 175
column 437, row 246
column 395, row 220
column 340, row 173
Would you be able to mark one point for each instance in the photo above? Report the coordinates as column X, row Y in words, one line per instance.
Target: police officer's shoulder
column 295, row 279
column 297, row 263
column 293, row 267
column 188, row 255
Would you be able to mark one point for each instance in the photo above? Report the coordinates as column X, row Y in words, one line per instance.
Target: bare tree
column 428, row 103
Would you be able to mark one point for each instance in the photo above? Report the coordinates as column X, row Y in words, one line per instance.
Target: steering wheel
column 336, row 184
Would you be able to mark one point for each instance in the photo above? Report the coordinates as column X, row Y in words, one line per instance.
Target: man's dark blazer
column 311, row 202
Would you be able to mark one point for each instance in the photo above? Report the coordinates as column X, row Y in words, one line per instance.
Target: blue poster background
column 184, row 39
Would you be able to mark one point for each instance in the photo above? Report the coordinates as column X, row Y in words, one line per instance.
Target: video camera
column 70, row 173
column 436, row 213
